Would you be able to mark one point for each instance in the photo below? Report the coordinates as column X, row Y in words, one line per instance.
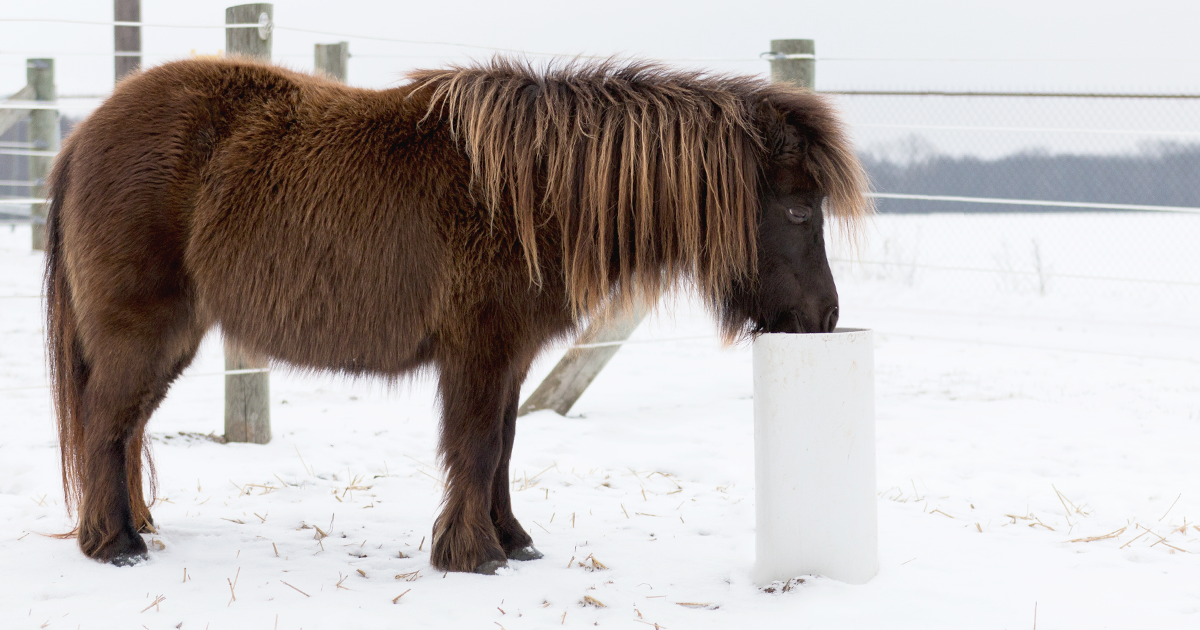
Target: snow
column 992, row 399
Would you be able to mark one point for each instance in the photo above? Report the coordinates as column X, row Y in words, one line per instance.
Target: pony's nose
column 830, row 321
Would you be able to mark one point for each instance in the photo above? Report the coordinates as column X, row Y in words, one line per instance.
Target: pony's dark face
column 796, row 293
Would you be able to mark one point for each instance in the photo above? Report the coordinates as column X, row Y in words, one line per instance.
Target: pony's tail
column 68, row 369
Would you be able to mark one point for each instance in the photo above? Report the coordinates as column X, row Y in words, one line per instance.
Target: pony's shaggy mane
column 651, row 174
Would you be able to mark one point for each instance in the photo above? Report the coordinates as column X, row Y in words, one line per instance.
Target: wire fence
column 1089, row 196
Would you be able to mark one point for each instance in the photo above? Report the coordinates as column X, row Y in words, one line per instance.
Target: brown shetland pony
column 460, row 222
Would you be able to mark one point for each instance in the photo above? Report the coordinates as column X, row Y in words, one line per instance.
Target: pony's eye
column 799, row 214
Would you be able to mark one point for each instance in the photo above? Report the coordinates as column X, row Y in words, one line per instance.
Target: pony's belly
column 324, row 327
column 333, row 296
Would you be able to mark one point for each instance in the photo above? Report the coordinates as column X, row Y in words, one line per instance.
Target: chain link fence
column 1026, row 194
column 995, row 192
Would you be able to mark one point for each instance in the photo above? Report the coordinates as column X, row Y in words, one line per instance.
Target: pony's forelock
column 829, row 155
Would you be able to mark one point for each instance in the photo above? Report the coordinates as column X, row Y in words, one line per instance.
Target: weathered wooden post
column 247, row 396
column 249, row 41
column 580, row 366
column 247, row 391
column 332, row 59
column 44, row 136
column 10, row 116
column 794, row 61
column 127, row 40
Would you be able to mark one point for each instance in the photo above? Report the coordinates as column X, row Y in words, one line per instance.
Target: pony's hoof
column 124, row 549
column 528, row 552
column 129, row 560
column 489, row 567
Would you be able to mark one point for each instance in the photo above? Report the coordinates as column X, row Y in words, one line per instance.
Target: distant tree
column 1162, row 174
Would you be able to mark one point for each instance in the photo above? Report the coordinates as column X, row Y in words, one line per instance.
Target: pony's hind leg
column 138, row 451
column 128, row 378
column 515, row 541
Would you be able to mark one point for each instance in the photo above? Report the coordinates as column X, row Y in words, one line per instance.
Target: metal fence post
column 45, row 137
column 247, row 395
column 332, row 59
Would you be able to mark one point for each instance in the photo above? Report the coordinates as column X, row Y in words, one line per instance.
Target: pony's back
column 276, row 202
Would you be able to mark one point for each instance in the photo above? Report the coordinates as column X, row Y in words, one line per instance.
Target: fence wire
column 1090, row 199
column 1029, row 192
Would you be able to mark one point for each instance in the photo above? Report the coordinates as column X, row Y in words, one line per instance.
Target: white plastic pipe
column 814, row 449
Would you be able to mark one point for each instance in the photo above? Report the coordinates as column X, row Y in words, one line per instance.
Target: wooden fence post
column 576, row 370
column 11, row 116
column 127, row 40
column 247, row 394
column 247, row 397
column 250, row 42
column 332, row 59
column 44, row 136
column 794, row 61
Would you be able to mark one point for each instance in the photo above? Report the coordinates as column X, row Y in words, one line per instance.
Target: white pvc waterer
column 814, row 456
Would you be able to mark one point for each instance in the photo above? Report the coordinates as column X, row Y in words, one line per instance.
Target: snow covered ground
column 1037, row 464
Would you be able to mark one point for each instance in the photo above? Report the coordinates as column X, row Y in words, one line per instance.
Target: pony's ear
column 784, row 138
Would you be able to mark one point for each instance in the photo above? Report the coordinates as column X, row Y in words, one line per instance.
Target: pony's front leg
column 517, row 543
column 475, row 395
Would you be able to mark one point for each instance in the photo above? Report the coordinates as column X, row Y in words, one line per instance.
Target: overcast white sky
column 1147, row 45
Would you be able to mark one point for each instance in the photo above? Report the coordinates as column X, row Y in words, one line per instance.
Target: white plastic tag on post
column 814, row 456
